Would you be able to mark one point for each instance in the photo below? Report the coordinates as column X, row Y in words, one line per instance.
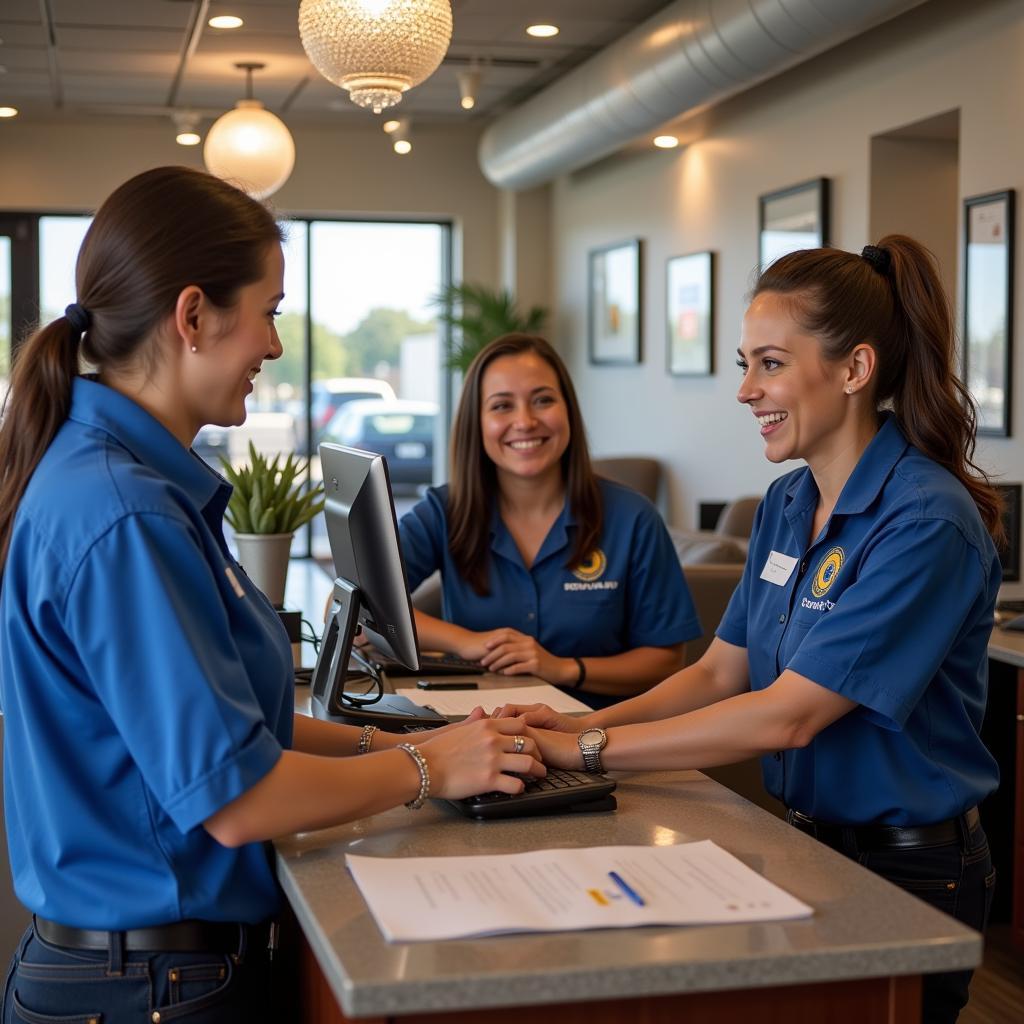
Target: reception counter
column 858, row 959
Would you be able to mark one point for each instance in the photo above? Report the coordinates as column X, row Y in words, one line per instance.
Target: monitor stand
column 330, row 700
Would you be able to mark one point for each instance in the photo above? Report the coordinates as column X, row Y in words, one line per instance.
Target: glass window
column 374, row 327
column 60, row 238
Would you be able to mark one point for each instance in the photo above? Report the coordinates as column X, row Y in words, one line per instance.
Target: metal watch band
column 592, row 751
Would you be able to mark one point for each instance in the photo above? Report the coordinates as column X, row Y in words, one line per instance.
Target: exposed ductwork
column 691, row 54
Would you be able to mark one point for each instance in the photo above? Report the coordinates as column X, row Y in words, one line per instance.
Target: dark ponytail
column 892, row 298
column 156, row 234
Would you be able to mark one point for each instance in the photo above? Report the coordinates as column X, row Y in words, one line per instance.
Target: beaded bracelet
column 366, row 738
column 424, row 770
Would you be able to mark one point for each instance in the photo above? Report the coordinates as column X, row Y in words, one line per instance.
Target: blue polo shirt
column 891, row 606
column 145, row 683
column 630, row 593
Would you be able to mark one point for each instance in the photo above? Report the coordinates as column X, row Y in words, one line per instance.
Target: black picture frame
column 1009, row 553
column 690, row 315
column 614, row 308
column 797, row 217
column 988, row 242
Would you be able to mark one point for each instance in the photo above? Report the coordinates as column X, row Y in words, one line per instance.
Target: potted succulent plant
column 267, row 506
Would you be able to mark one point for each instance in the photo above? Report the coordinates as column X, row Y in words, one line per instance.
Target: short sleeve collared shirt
column 630, row 593
column 890, row 606
column 145, row 683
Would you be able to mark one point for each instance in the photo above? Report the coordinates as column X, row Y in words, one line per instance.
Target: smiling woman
column 547, row 569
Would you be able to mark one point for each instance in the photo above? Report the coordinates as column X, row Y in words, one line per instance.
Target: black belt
column 180, row 937
column 869, row 838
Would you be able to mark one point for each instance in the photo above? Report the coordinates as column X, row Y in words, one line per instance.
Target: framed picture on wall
column 1009, row 553
column 613, row 303
column 793, row 218
column 689, row 314
column 988, row 307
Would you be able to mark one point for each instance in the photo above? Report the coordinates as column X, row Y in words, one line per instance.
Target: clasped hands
column 482, row 754
column 508, row 652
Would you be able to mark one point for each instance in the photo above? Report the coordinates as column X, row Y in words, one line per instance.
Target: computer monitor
column 370, row 589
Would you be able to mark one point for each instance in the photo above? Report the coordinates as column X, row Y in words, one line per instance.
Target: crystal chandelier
column 376, row 49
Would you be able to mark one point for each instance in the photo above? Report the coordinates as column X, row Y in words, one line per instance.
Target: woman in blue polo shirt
column 853, row 655
column 546, row 568
column 146, row 685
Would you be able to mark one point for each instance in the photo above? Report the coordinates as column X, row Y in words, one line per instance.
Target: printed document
column 425, row 898
column 462, row 702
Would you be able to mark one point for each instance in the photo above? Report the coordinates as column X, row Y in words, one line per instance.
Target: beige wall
column 71, row 166
column 815, row 120
column 914, row 190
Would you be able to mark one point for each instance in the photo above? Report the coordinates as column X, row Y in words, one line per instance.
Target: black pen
column 430, row 684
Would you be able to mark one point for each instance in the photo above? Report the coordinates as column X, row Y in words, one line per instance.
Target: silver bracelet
column 365, row 739
column 424, row 770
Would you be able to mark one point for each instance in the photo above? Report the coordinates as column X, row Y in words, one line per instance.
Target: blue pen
column 626, row 888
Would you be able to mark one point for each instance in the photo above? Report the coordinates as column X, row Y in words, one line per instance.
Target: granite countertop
column 862, row 927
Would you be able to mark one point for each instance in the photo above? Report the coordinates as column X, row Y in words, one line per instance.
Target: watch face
column 592, row 737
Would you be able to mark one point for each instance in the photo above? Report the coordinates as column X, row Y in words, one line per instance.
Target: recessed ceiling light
column 8, row 111
column 188, row 139
column 225, row 21
column 391, row 126
column 666, row 141
column 542, row 31
column 403, row 146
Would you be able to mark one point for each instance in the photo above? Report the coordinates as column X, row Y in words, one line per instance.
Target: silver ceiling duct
column 691, row 54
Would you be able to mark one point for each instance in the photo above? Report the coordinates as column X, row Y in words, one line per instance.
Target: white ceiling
column 100, row 58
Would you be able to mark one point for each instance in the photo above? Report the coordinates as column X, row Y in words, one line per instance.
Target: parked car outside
column 330, row 395
column 400, row 430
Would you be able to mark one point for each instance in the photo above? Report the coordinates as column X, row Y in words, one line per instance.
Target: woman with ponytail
column 147, row 687
column 853, row 654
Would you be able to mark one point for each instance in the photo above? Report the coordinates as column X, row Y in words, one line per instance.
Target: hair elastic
column 878, row 257
column 79, row 317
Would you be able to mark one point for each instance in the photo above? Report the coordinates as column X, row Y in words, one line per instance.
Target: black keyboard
column 430, row 665
column 560, row 792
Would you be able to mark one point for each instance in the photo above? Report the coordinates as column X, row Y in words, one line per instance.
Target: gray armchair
column 641, row 473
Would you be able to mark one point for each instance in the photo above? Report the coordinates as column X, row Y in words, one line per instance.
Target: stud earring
column 194, row 349
column 849, row 391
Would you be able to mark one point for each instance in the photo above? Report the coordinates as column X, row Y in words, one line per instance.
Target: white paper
column 778, row 568
column 425, row 898
column 462, row 702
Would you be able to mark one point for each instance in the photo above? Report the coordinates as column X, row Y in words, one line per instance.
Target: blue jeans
column 49, row 984
column 957, row 879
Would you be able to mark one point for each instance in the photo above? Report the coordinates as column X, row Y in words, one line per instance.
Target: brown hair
column 156, row 234
column 473, row 485
column 892, row 298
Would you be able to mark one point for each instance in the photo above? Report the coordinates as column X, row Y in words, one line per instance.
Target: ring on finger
column 518, row 743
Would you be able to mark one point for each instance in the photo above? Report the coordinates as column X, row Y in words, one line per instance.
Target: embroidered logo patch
column 827, row 572
column 592, row 567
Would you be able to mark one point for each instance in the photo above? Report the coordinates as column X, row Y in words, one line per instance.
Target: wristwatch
column 591, row 743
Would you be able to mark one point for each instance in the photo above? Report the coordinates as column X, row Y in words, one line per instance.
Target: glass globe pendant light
column 250, row 146
column 375, row 49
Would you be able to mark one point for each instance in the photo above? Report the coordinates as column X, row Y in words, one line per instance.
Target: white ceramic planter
column 264, row 556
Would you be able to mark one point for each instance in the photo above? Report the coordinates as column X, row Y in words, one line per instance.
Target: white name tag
column 233, row 580
column 778, row 568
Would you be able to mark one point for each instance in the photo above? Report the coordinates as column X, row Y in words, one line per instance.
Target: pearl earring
column 194, row 349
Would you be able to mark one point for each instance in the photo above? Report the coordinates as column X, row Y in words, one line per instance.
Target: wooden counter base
column 869, row 1001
